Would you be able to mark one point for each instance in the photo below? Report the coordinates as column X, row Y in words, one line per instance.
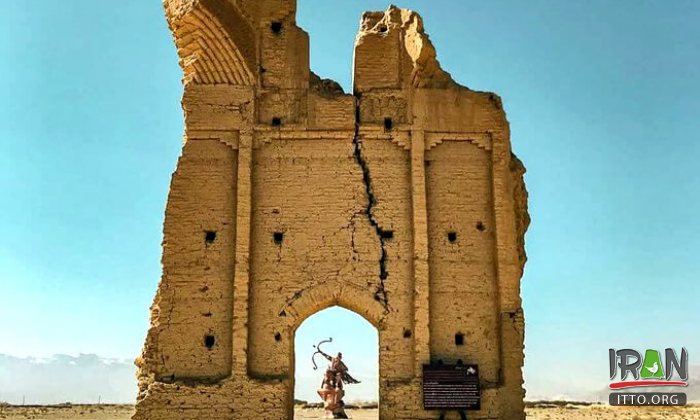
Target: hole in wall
column 209, row 236
column 480, row 226
column 452, row 237
column 357, row 340
column 209, row 341
column 387, row 234
column 406, row 333
column 388, row 124
column 262, row 70
column 278, row 237
column 276, row 27
column 278, row 337
column 276, row 121
column 382, row 28
column 459, row 339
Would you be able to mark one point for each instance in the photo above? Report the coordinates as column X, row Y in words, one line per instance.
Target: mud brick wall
column 401, row 202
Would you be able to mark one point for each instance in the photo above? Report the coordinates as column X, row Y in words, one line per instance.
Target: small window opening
column 388, row 124
column 452, row 237
column 276, row 27
column 406, row 333
column 480, row 226
column 459, row 339
column 278, row 237
column 209, row 341
column 278, row 337
column 382, row 28
column 276, row 121
column 209, row 236
column 387, row 234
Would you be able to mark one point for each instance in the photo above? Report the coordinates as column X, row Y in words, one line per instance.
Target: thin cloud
column 85, row 378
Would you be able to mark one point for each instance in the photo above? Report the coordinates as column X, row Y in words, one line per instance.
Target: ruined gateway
column 401, row 202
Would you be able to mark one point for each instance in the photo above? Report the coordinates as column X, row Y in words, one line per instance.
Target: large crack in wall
column 383, row 235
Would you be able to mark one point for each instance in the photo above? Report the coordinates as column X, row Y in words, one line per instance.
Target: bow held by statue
column 319, row 351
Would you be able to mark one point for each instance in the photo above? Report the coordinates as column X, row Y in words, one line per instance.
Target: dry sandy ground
column 604, row 412
column 317, row 413
column 66, row 412
column 123, row 412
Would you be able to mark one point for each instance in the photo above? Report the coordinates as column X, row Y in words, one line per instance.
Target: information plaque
column 451, row 387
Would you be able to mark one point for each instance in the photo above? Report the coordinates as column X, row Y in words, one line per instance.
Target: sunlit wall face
column 353, row 336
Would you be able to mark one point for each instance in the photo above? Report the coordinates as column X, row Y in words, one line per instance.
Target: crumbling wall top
column 405, row 28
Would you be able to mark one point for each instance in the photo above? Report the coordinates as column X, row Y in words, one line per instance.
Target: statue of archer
column 332, row 387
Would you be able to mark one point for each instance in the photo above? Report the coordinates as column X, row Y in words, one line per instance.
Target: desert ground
column 537, row 412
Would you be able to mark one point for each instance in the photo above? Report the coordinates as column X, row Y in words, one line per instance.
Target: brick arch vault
column 401, row 202
column 323, row 297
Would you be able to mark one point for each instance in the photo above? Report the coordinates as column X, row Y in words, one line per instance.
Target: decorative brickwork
column 401, row 202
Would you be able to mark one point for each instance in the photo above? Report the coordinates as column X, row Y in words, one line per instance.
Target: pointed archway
column 357, row 339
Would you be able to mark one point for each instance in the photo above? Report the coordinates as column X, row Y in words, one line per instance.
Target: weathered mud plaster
column 401, row 201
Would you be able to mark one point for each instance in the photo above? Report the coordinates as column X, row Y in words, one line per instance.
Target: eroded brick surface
column 401, row 202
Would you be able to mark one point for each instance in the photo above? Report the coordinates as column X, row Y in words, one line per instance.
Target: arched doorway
column 358, row 340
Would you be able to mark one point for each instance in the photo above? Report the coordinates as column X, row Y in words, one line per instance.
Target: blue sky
column 602, row 98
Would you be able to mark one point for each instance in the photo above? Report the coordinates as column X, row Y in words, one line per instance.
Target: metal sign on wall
column 451, row 387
